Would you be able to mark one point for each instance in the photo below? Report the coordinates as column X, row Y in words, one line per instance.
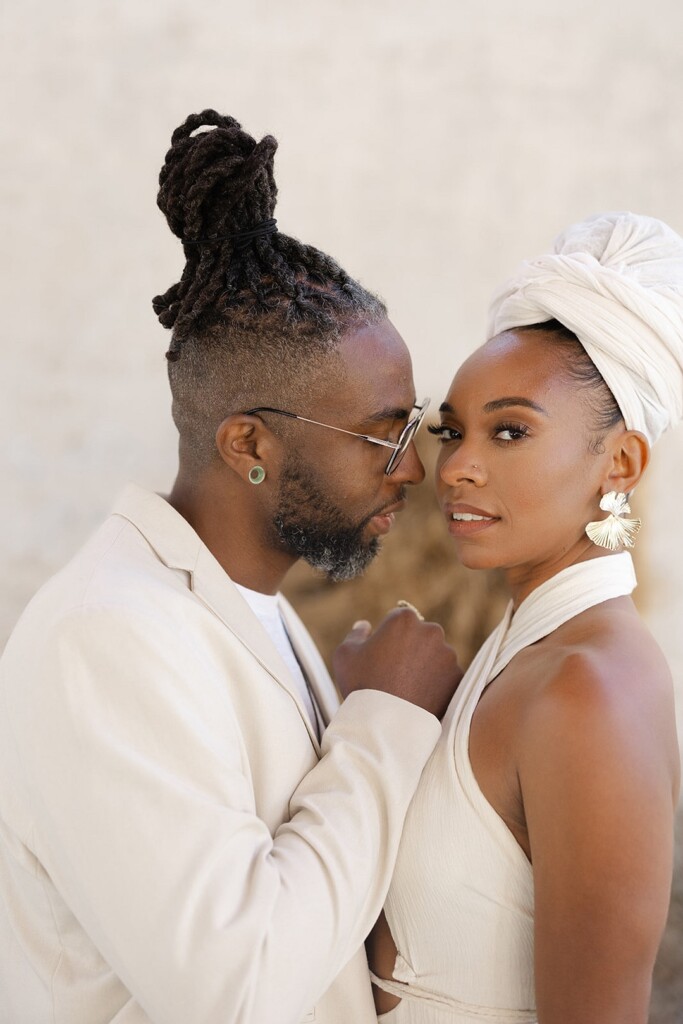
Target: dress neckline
column 557, row 600
column 554, row 602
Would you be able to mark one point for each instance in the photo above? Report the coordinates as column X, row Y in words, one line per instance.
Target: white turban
column 616, row 281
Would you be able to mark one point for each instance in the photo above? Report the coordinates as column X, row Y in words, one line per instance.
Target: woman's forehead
column 518, row 361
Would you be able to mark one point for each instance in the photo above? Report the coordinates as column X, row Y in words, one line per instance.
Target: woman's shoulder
column 605, row 651
column 601, row 682
column 605, row 648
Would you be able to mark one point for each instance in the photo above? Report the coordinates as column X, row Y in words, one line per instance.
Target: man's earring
column 257, row 474
column 615, row 531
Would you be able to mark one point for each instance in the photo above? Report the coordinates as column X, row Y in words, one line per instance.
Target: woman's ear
column 244, row 442
column 630, row 455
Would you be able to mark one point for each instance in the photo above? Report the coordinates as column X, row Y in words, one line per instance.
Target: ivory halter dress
column 461, row 903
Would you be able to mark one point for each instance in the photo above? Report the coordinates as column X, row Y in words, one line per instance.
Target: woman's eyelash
column 439, row 430
column 512, row 428
column 445, row 433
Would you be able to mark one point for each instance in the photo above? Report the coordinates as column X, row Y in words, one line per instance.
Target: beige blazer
column 175, row 845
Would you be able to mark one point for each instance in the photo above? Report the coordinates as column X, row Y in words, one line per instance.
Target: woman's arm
column 598, row 773
column 381, row 950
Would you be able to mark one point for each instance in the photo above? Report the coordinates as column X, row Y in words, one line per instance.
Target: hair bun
column 216, row 179
column 241, row 274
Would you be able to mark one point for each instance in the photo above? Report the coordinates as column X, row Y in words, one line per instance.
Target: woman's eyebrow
column 503, row 403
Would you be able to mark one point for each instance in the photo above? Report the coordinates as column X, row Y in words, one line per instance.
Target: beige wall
column 428, row 146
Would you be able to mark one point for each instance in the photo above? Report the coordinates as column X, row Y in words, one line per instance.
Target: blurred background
column 429, row 147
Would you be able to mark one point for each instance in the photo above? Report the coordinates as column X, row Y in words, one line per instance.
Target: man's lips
column 464, row 520
column 390, row 510
column 384, row 520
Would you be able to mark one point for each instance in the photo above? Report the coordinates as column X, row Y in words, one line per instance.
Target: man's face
column 335, row 500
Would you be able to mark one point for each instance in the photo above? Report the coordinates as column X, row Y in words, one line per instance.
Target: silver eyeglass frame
column 399, row 447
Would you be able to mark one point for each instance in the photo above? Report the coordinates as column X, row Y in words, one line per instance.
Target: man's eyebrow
column 388, row 414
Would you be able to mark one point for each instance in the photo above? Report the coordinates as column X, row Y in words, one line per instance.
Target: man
column 190, row 829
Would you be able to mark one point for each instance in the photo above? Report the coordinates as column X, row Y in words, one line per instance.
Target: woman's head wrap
column 616, row 281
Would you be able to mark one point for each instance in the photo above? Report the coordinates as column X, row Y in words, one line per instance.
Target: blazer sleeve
column 144, row 818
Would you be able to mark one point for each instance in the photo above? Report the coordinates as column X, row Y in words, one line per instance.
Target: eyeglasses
column 399, row 447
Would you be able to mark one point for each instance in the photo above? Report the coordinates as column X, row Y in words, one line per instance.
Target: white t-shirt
column 266, row 607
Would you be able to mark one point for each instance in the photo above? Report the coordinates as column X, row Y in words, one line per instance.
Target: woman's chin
column 472, row 559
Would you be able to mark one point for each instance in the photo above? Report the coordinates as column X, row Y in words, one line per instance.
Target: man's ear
column 244, row 442
column 629, row 456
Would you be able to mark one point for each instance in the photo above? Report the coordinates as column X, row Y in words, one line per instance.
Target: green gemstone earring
column 257, row 474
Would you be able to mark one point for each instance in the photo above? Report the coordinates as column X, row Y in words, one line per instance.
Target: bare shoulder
column 601, row 686
column 605, row 654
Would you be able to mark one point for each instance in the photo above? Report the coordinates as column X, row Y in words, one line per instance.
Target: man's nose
column 410, row 469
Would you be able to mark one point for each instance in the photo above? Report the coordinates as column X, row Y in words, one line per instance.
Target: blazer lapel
column 211, row 584
column 308, row 654
column 179, row 547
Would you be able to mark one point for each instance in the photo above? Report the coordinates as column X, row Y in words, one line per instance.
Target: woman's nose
column 462, row 466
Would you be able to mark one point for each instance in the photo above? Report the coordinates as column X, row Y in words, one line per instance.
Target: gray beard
column 309, row 526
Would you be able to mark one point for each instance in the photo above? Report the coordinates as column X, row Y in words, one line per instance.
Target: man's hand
column 404, row 656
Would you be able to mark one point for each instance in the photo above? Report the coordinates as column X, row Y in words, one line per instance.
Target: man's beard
column 311, row 527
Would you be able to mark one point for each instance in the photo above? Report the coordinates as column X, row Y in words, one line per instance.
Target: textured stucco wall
column 428, row 146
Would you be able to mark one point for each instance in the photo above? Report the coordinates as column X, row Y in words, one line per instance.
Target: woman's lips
column 465, row 520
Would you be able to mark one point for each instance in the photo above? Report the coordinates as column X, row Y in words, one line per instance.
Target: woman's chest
column 496, row 733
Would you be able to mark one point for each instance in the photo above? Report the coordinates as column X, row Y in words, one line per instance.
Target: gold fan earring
column 615, row 531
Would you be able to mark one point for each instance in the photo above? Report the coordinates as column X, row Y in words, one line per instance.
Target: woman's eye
column 444, row 434
column 510, row 432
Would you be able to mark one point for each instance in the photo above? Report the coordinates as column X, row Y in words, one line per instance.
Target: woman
column 534, row 873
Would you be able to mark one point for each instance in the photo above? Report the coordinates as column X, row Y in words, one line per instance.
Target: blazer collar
column 178, row 546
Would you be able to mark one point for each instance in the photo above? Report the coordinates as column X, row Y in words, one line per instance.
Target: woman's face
column 518, row 477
